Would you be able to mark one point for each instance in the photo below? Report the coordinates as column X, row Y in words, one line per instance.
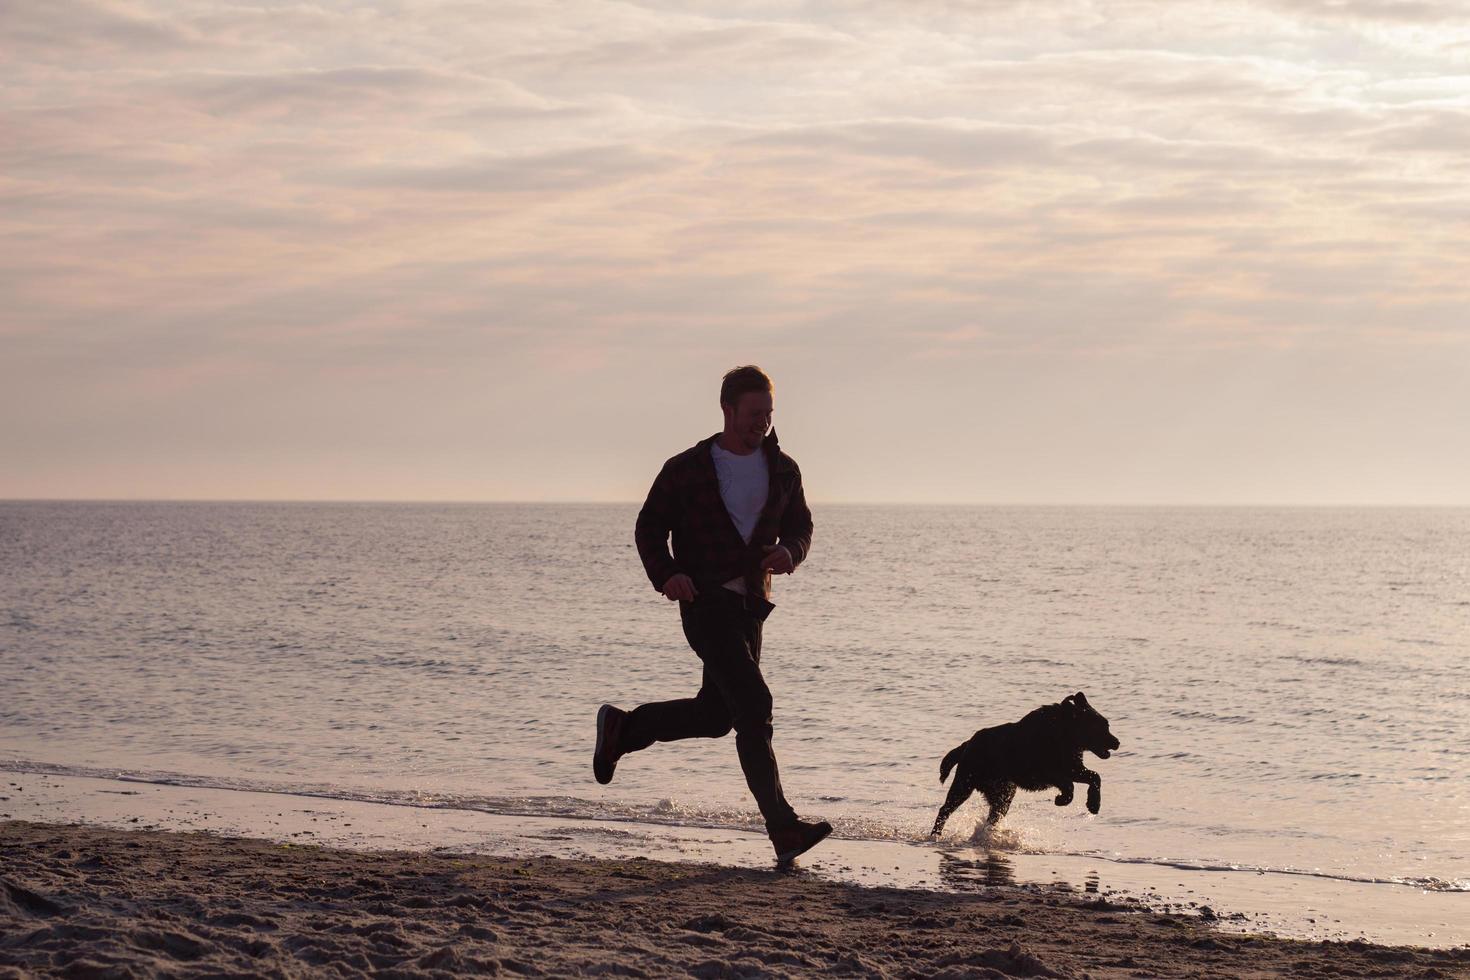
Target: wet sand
column 90, row 902
column 1301, row 907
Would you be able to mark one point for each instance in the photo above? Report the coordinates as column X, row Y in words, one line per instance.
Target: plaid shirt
column 685, row 501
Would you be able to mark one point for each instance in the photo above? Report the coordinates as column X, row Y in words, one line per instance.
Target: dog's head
column 1091, row 727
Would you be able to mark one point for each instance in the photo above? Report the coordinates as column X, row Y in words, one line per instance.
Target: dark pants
column 727, row 639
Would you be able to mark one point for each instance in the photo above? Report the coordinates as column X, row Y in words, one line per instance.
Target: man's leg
column 728, row 641
column 702, row 716
column 619, row 732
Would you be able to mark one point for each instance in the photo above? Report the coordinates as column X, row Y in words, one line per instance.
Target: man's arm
column 655, row 521
column 796, row 525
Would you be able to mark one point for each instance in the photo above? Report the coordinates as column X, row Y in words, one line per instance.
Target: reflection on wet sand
column 989, row 870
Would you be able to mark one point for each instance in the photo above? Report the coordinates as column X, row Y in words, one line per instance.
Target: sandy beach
column 82, row 901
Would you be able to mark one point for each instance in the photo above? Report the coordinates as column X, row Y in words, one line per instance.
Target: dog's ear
column 1080, row 698
column 1071, row 700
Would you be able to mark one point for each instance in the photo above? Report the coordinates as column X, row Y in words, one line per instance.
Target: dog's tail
column 950, row 760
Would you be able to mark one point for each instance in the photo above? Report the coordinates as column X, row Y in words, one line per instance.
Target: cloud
column 322, row 91
column 713, row 48
column 74, row 27
column 1395, row 11
column 560, row 171
column 952, row 145
column 1427, row 134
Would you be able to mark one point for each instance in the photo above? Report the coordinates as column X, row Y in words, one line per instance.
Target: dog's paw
column 1063, row 799
column 1094, row 802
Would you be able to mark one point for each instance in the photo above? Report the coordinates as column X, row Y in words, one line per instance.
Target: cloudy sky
column 1032, row 252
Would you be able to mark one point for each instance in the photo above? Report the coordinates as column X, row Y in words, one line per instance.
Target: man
column 736, row 510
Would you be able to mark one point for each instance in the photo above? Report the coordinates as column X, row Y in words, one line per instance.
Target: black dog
column 1043, row 749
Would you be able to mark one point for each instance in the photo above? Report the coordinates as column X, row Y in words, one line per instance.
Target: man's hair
column 740, row 380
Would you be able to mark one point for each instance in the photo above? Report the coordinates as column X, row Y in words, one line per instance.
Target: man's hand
column 777, row 560
column 680, row 587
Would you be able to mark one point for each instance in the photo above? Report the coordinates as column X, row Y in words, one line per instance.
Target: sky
column 994, row 252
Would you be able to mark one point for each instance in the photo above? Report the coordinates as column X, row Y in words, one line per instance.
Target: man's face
column 749, row 418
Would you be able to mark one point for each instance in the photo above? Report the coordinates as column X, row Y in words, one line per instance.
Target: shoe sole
column 602, row 716
column 786, row 857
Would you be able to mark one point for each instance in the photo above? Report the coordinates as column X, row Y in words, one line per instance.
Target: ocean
column 1288, row 684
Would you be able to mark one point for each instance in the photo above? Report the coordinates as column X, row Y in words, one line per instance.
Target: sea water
column 1288, row 684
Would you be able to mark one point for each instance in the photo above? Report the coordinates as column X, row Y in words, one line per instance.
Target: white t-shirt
column 745, row 481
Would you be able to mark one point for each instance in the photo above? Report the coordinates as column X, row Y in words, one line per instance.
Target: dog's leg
column 959, row 792
column 1065, row 796
column 1094, row 788
column 999, row 796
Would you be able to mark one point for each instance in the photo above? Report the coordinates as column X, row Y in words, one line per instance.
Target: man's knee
column 716, row 722
column 754, row 715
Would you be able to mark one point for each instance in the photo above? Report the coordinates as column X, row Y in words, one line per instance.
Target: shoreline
column 83, row 900
column 1306, row 908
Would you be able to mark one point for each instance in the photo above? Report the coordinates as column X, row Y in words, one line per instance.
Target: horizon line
column 634, row 502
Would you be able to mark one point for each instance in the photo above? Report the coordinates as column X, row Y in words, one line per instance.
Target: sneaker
column 609, row 730
column 793, row 841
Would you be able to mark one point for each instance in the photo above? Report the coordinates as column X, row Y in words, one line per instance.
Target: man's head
column 745, row 398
